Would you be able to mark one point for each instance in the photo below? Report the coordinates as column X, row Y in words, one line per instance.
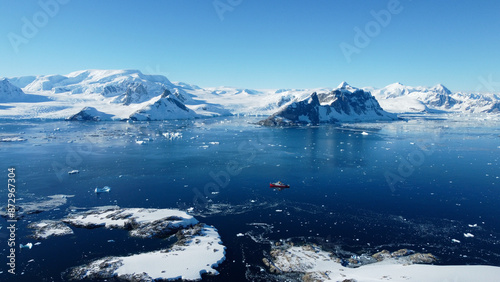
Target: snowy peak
column 441, row 89
column 345, row 86
column 339, row 105
column 10, row 92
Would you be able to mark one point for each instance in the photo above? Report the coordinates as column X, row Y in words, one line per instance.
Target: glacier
column 131, row 95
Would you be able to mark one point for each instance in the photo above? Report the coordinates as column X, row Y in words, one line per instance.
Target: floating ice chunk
column 27, row 246
column 279, row 210
column 172, row 135
column 111, row 241
column 213, row 143
column 104, row 189
column 12, row 139
column 191, row 209
column 473, row 225
column 73, row 171
column 364, row 133
column 455, row 241
column 240, row 235
column 140, row 142
column 468, row 235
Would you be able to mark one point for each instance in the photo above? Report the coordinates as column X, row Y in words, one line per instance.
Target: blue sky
column 257, row 43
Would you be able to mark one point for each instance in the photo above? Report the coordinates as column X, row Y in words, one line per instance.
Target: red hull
column 278, row 186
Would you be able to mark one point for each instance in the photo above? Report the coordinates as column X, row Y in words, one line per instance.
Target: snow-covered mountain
column 129, row 94
column 343, row 104
column 168, row 106
column 109, row 94
column 10, row 92
column 399, row 98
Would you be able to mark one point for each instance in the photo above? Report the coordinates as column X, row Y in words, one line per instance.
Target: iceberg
column 104, row 189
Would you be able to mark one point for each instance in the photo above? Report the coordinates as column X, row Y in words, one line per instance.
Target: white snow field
column 130, row 94
column 318, row 265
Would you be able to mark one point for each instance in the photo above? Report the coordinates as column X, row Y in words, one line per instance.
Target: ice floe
column 12, row 139
column 46, row 228
column 34, row 207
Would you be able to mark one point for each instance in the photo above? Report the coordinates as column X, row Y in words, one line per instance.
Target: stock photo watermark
column 74, row 158
column 363, row 36
column 32, row 25
column 223, row 6
column 488, row 84
column 11, row 219
column 221, row 179
column 409, row 164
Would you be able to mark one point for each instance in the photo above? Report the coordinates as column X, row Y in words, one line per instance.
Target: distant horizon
column 260, row 44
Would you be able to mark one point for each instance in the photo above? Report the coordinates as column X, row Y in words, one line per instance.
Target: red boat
column 279, row 184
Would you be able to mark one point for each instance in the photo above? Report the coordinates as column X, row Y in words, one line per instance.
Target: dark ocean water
column 409, row 184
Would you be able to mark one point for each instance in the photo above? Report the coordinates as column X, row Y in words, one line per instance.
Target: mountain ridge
column 121, row 93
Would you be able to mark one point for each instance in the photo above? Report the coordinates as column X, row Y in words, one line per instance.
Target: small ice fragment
column 240, row 235
column 213, row 143
column 31, row 260
column 473, row 225
column 364, row 133
column 140, row 142
column 190, row 209
column 73, row 171
column 468, row 235
column 38, row 243
column 27, row 246
column 111, row 241
column 215, row 193
column 104, row 189
column 279, row 210
column 455, row 241
column 253, row 201
column 173, row 135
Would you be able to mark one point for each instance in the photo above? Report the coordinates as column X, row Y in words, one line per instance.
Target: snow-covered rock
column 35, row 207
column 167, row 106
column 318, row 265
column 344, row 104
column 47, row 228
column 144, row 223
column 198, row 249
column 90, row 114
